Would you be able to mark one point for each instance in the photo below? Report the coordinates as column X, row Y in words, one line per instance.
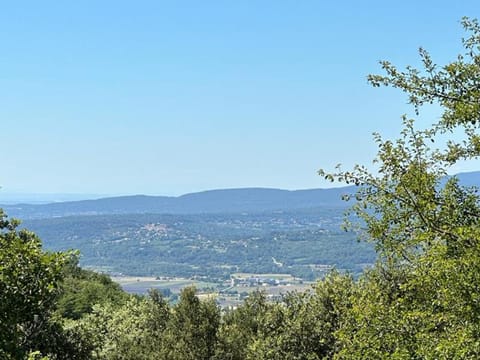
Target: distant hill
column 213, row 201
column 206, row 202
column 469, row 178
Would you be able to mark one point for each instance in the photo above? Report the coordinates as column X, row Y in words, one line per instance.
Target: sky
column 170, row 97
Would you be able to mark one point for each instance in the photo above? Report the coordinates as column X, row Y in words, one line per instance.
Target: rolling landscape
column 208, row 235
column 168, row 187
column 213, row 202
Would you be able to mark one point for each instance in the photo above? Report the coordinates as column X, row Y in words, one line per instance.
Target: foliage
column 132, row 330
column 303, row 326
column 192, row 331
column 81, row 289
column 240, row 327
column 29, row 280
column 421, row 299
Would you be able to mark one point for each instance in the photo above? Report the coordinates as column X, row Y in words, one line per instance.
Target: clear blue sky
column 157, row 97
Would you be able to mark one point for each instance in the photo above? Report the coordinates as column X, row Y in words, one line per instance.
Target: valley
column 303, row 243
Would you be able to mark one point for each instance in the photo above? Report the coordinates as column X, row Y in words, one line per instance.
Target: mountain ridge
column 210, row 201
column 236, row 200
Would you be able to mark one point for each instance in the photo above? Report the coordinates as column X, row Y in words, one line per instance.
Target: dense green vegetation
column 421, row 300
column 209, row 245
column 81, row 289
column 28, row 280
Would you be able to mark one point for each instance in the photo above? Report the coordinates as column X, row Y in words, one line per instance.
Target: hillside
column 206, row 202
column 213, row 201
column 211, row 245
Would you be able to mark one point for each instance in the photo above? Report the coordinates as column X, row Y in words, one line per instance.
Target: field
column 141, row 284
column 228, row 294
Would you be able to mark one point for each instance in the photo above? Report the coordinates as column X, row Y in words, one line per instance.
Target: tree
column 192, row 330
column 80, row 289
column 240, row 327
column 29, row 279
column 134, row 330
column 303, row 326
column 421, row 299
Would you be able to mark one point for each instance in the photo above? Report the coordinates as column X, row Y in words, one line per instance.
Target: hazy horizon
column 39, row 198
column 15, row 197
